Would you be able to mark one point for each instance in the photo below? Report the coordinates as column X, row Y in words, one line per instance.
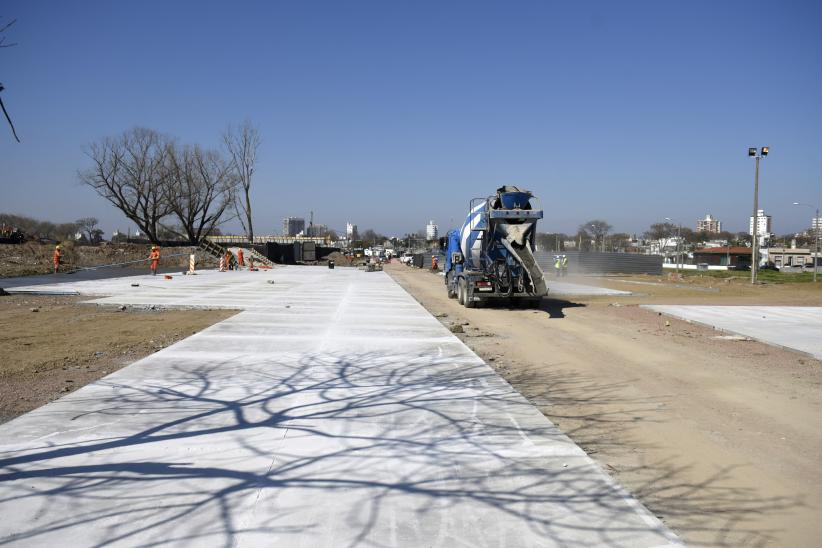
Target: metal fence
column 579, row 263
column 602, row 263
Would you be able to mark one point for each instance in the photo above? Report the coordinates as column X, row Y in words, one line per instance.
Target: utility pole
column 817, row 228
column 678, row 238
column 754, row 237
column 816, row 245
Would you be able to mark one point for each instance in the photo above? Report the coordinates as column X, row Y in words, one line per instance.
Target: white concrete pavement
column 795, row 327
column 333, row 411
column 557, row 288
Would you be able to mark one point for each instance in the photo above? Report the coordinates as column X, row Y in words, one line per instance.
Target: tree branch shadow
column 710, row 511
column 367, row 449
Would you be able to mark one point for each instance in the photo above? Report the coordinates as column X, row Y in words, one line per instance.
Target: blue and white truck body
column 492, row 255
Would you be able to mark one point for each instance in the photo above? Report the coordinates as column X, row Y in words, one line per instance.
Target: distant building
column 782, row 257
column 351, row 231
column 431, row 230
column 316, row 231
column 816, row 224
column 724, row 256
column 709, row 224
column 763, row 227
column 293, row 226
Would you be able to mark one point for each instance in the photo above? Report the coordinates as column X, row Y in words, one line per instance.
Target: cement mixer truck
column 492, row 255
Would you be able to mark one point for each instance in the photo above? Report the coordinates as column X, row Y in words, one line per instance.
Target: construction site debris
column 339, row 259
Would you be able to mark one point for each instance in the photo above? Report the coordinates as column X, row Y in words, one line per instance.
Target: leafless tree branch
column 200, row 189
column 241, row 145
column 129, row 172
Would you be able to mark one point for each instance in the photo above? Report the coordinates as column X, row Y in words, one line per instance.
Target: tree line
column 47, row 230
column 168, row 187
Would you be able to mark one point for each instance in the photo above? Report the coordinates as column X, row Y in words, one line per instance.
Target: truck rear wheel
column 451, row 293
column 468, row 297
column 461, row 291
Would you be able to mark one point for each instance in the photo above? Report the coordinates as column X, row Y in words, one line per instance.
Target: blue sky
column 392, row 113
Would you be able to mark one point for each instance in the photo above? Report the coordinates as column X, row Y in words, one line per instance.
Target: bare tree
column 87, row 225
column 242, row 145
column 199, row 190
column 64, row 231
column 130, row 172
column 598, row 229
column 3, row 29
column 660, row 231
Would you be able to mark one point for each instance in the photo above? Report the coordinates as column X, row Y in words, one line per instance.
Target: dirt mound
column 338, row 258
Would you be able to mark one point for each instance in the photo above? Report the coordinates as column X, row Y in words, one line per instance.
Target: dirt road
column 54, row 345
column 720, row 438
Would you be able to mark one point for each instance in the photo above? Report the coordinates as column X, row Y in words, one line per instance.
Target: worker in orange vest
column 228, row 258
column 154, row 256
column 57, row 257
column 240, row 258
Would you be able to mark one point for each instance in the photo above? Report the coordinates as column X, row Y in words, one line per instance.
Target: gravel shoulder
column 719, row 437
column 54, row 345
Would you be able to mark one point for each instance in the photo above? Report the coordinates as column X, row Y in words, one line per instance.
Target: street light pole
column 678, row 238
column 754, row 239
column 816, row 231
column 594, row 230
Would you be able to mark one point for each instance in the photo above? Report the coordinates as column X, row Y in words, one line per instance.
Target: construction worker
column 558, row 265
column 240, row 258
column 58, row 255
column 228, row 258
column 565, row 265
column 154, row 257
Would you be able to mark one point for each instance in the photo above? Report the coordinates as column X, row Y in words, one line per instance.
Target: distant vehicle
column 491, row 256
